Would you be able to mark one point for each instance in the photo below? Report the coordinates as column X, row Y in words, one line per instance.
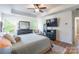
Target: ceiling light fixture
column 37, row 10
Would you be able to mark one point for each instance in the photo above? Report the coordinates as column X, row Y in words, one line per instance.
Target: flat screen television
column 52, row 22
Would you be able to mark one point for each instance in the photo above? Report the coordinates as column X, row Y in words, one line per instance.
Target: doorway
column 76, row 30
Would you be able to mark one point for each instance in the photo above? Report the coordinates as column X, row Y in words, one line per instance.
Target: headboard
column 24, row 31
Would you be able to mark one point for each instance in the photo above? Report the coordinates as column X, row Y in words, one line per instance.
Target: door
column 76, row 27
column 76, row 30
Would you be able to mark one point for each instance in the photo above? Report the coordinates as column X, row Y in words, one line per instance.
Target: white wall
column 0, row 17
column 14, row 19
column 65, row 30
column 5, row 12
column 39, row 24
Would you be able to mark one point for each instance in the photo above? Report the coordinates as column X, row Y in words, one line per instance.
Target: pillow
column 4, row 43
column 10, row 38
column 17, row 39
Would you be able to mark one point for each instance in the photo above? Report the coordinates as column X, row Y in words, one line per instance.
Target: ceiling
column 23, row 8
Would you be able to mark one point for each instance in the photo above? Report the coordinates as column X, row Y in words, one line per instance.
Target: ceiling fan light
column 37, row 10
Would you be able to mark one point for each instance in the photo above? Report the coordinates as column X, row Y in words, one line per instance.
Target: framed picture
column 24, row 25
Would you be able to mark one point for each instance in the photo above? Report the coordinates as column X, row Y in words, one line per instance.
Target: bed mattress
column 31, row 44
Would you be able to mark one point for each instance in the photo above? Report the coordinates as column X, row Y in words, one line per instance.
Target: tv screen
column 52, row 22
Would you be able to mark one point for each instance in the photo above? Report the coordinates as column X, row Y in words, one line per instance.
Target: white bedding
column 31, row 43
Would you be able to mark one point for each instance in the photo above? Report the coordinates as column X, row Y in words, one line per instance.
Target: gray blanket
column 31, row 44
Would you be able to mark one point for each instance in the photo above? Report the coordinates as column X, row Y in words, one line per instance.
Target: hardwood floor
column 63, row 44
column 64, row 48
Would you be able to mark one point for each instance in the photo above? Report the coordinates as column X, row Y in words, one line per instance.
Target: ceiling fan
column 38, row 8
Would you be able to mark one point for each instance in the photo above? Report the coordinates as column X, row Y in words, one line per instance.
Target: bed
column 31, row 44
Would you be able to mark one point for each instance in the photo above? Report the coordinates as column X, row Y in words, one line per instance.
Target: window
column 9, row 26
column 9, row 23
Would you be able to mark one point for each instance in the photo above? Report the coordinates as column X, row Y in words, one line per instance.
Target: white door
column 76, row 26
column 76, row 30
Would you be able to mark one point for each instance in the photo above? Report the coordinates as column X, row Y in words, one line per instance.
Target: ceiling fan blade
column 30, row 8
column 41, row 11
column 36, row 4
column 42, row 7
